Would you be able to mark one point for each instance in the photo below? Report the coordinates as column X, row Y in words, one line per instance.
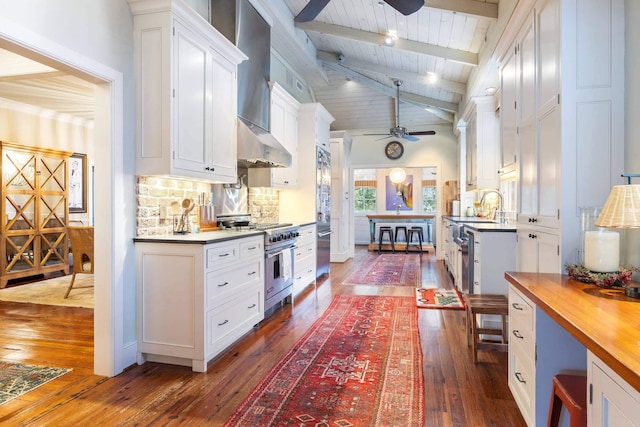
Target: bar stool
column 570, row 390
column 486, row 304
column 402, row 228
column 383, row 231
column 417, row 231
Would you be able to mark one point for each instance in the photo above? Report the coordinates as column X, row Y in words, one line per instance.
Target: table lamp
column 622, row 210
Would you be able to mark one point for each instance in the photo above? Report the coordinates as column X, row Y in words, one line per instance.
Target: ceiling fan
column 398, row 131
column 314, row 7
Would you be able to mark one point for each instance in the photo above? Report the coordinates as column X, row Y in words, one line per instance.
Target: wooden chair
column 82, row 250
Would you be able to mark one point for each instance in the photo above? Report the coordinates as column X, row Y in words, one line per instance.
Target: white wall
column 632, row 111
column 439, row 150
column 96, row 35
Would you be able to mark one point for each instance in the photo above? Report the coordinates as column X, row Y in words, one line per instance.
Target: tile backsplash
column 155, row 195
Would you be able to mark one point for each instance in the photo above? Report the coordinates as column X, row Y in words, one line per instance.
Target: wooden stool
column 486, row 304
column 417, row 231
column 404, row 230
column 570, row 390
column 388, row 231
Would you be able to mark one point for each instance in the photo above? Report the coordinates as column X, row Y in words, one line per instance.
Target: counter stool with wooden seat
column 486, row 304
column 417, row 231
column 389, row 231
column 570, row 390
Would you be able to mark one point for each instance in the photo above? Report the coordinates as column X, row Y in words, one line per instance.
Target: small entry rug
column 388, row 270
column 51, row 292
column 17, row 378
column 438, row 298
column 360, row 364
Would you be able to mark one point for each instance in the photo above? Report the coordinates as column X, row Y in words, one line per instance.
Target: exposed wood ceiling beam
column 392, row 73
column 468, row 7
column 461, row 56
column 435, row 106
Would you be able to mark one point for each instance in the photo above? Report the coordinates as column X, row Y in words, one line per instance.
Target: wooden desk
column 409, row 218
column 609, row 328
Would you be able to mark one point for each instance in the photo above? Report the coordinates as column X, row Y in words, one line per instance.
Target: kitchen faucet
column 500, row 214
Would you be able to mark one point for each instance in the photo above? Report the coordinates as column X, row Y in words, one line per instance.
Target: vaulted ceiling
column 342, row 56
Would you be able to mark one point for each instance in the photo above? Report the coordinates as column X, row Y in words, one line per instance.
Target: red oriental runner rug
column 360, row 364
column 388, row 270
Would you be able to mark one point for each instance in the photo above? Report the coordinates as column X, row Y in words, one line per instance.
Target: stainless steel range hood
column 239, row 21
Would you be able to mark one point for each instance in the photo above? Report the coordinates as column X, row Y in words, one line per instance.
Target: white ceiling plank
column 468, row 7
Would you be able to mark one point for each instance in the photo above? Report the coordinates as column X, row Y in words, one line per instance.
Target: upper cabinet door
column 223, row 119
column 508, row 109
column 192, row 100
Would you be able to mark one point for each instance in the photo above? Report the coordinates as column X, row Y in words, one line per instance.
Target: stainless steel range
column 279, row 240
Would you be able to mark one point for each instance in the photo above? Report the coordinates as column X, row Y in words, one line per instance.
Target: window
column 366, row 193
column 365, row 199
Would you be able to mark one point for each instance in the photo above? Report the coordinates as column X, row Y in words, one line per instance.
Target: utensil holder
column 181, row 224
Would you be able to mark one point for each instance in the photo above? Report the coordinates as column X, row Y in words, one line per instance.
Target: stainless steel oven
column 279, row 268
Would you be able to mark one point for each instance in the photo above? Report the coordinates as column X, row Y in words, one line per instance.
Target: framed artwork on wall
column 400, row 194
column 78, row 183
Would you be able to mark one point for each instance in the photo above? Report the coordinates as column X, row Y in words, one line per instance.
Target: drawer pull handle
column 253, row 248
column 251, row 274
column 299, row 277
column 519, row 377
column 251, row 306
column 516, row 333
column 269, row 290
column 223, row 323
column 224, row 254
column 223, row 284
column 477, row 261
column 516, row 306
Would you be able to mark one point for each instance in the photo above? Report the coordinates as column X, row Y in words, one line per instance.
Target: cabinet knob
column 210, row 169
column 533, row 236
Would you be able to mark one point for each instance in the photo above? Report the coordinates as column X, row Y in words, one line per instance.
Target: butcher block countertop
column 606, row 322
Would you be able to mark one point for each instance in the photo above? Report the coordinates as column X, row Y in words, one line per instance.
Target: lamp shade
column 397, row 175
column 622, row 209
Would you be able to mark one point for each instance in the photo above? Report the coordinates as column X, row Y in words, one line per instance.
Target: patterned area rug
column 51, row 292
column 438, row 298
column 17, row 379
column 360, row 364
column 388, row 270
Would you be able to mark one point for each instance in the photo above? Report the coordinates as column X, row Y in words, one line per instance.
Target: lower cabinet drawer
column 302, row 252
column 228, row 322
column 220, row 284
column 522, row 384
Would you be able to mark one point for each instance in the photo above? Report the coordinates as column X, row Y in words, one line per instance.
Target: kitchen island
column 384, row 218
column 577, row 327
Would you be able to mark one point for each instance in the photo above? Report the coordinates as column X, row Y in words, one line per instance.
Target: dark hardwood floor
column 458, row 393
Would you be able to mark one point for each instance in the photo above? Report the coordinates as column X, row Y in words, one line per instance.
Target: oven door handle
column 274, row 254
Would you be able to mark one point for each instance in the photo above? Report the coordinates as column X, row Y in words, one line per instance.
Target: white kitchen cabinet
column 342, row 247
column 299, row 205
column 482, row 134
column 304, row 258
column 186, row 98
column 195, row 300
column 571, row 116
column 522, row 350
column 537, row 252
column 613, row 401
column 517, row 92
column 493, row 254
column 284, row 128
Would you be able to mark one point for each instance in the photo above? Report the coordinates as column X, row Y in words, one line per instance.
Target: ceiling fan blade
column 408, row 137
column 311, row 10
column 406, row 7
column 425, row 132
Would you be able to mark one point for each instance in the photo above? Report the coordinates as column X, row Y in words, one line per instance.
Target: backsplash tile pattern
column 155, row 195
